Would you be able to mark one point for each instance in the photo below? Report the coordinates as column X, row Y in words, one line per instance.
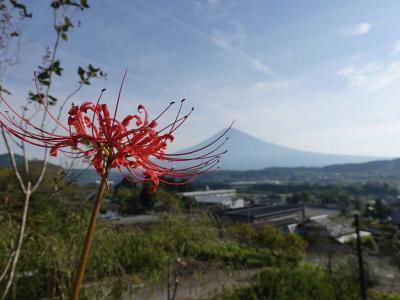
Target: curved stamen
column 206, row 146
column 119, row 95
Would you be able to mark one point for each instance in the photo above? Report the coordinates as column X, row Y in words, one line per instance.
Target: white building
column 226, row 198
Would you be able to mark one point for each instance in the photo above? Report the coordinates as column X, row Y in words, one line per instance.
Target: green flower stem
column 89, row 238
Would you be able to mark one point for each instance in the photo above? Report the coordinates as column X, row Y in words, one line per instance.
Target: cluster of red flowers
column 134, row 145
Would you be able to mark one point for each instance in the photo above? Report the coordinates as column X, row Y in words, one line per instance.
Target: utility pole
column 360, row 259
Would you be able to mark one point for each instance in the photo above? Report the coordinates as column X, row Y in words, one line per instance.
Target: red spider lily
column 134, row 145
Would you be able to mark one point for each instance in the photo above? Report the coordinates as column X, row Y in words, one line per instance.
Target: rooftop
column 260, row 211
column 342, row 232
column 209, row 192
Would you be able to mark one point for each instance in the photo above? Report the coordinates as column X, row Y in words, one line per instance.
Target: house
column 323, row 226
column 282, row 216
column 225, row 198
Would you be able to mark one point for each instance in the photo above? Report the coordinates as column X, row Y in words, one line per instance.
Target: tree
column 295, row 198
column 289, row 248
column 302, row 282
column 147, row 199
column 128, row 200
column 49, row 68
column 189, row 203
column 381, row 210
column 167, row 200
column 244, row 234
column 359, row 205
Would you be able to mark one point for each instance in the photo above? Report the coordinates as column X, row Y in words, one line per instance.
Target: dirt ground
column 197, row 286
column 209, row 284
column 387, row 275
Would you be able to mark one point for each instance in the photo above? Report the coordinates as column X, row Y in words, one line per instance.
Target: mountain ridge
column 246, row 152
column 249, row 157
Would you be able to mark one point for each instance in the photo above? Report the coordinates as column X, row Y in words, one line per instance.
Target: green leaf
column 43, row 75
column 34, row 97
column 57, row 68
column 84, row 4
column 67, row 22
column 81, row 71
column 64, row 36
column 55, row 4
column 52, row 100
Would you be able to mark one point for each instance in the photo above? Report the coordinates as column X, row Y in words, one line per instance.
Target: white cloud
column 396, row 48
column 232, row 41
column 260, row 66
column 235, row 38
column 372, row 76
column 221, row 39
column 275, row 85
column 359, row 29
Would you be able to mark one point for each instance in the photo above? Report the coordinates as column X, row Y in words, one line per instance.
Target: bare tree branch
column 7, row 266
column 19, row 241
column 13, row 162
column 10, row 55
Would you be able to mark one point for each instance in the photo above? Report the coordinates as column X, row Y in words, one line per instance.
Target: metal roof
column 261, row 211
column 209, row 192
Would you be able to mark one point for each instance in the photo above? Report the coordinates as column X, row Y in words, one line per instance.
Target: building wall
column 223, row 197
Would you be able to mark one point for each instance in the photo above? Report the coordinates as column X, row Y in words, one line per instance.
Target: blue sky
column 322, row 76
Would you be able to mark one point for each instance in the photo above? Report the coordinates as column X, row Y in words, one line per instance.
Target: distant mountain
column 89, row 175
column 388, row 167
column 374, row 171
column 264, row 160
column 5, row 160
column 246, row 152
